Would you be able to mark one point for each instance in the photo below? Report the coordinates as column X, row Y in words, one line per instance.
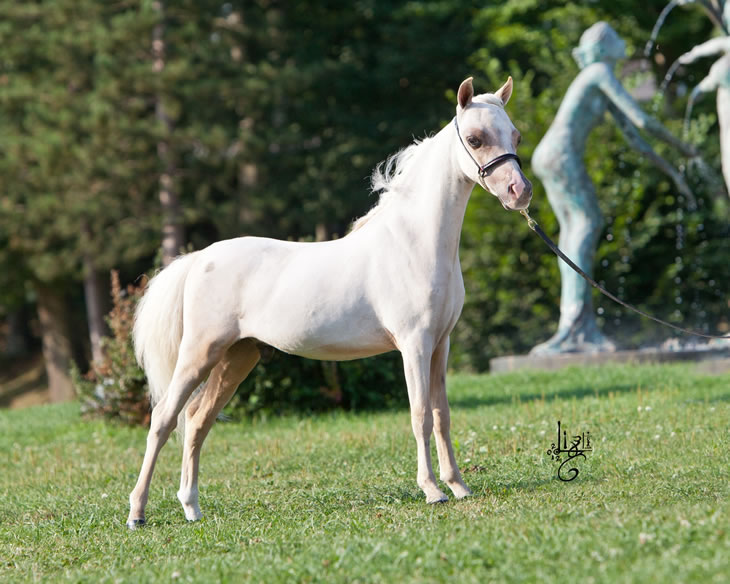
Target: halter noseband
column 486, row 169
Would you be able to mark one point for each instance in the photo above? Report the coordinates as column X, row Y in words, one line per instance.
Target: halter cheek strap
column 486, row 169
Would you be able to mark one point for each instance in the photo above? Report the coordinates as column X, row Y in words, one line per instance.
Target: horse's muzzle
column 519, row 194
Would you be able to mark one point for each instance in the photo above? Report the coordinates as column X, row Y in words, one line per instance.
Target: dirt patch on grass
column 23, row 382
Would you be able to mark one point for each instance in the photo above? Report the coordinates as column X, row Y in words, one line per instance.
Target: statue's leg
column 580, row 229
column 573, row 199
column 723, row 118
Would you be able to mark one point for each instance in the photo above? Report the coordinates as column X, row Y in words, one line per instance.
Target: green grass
column 333, row 497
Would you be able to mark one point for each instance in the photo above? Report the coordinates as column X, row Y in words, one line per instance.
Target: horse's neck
column 436, row 201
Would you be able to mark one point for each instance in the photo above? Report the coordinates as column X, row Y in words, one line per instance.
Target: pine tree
column 71, row 179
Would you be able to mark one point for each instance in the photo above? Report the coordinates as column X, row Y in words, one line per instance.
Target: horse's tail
column 158, row 326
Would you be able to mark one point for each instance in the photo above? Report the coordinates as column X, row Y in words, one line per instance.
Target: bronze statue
column 558, row 163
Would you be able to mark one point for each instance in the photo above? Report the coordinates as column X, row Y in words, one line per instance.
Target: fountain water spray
column 660, row 21
column 712, row 7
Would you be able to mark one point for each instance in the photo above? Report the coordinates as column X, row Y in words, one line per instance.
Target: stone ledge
column 716, row 361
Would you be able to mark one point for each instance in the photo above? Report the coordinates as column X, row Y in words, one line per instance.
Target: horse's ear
column 505, row 92
column 466, row 92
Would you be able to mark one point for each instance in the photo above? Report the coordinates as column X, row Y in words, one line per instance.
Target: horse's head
column 490, row 142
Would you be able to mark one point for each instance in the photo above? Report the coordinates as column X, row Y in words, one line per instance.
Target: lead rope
column 556, row 250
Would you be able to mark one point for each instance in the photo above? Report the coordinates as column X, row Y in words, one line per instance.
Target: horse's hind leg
column 195, row 360
column 449, row 471
column 225, row 377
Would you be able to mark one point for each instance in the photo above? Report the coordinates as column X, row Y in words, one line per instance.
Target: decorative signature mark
column 578, row 447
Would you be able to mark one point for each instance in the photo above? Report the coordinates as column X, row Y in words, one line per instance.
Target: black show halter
column 486, row 169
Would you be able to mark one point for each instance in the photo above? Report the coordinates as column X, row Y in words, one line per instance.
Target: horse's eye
column 474, row 142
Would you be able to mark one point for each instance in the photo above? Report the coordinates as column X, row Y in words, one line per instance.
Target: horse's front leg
column 417, row 365
column 449, row 471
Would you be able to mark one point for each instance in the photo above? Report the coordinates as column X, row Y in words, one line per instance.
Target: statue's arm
column 707, row 85
column 629, row 131
column 716, row 77
column 622, row 102
column 706, row 49
column 638, row 143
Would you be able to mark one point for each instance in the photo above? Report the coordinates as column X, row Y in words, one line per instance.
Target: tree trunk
column 93, row 295
column 173, row 234
column 53, row 316
column 247, row 180
column 321, row 233
column 18, row 334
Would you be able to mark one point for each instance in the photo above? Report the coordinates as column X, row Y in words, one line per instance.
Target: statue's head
column 599, row 43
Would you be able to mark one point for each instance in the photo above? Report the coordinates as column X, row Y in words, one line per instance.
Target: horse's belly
column 343, row 351
column 318, row 328
column 338, row 342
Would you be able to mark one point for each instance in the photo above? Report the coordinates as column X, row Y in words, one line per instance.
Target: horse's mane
column 389, row 176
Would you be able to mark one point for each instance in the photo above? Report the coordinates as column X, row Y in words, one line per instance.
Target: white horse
column 393, row 283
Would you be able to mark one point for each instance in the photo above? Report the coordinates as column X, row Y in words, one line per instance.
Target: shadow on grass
column 491, row 486
column 714, row 399
column 14, row 388
column 494, row 485
column 571, row 393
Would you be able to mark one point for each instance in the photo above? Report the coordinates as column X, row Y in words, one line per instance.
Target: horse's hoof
column 135, row 523
column 466, row 495
column 461, row 491
column 437, row 499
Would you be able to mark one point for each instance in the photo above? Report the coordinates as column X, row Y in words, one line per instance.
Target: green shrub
column 116, row 387
column 288, row 383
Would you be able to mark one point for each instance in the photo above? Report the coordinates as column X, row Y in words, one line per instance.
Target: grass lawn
column 333, row 497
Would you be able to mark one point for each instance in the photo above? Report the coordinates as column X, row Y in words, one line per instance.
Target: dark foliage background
column 275, row 114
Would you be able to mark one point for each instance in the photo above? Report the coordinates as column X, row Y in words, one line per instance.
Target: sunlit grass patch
column 333, row 497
